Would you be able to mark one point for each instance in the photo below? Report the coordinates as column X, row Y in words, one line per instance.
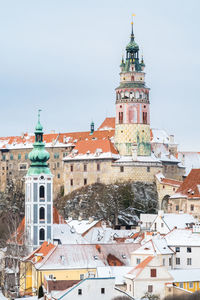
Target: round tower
column 132, row 131
column 38, row 194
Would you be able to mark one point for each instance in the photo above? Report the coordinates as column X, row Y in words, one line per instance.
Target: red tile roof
column 105, row 145
column 44, row 249
column 191, row 185
column 108, row 123
column 139, row 268
column 64, row 138
column 171, row 181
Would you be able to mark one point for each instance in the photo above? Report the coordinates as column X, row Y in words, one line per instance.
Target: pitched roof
column 108, row 124
column 93, row 149
column 92, row 256
column 191, row 185
column 43, row 250
column 135, row 272
column 182, row 237
column 161, row 178
column 53, row 139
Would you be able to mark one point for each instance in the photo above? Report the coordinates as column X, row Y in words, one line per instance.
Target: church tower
column 132, row 131
column 38, row 194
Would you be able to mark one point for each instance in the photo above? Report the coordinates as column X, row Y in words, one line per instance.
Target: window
column 162, row 225
column 79, row 291
column 81, row 276
column 3, row 157
column 148, row 169
column 56, row 155
column 58, row 165
column 181, row 285
column 42, row 213
column 177, row 207
column 178, row 261
column 177, row 249
column 71, row 168
column 138, row 260
column 130, row 288
column 189, row 249
column 189, row 261
column 150, row 288
column 58, row 175
column 144, row 117
column 163, row 261
column 85, row 181
column 191, row 207
column 121, row 169
column 170, row 261
column 11, row 156
column 42, row 234
column 98, row 167
column 26, row 156
column 85, row 168
column 153, row 272
column 191, row 285
column 120, row 117
column 42, row 191
column 19, row 156
column 102, row 290
column 71, row 182
column 22, row 166
column 163, row 186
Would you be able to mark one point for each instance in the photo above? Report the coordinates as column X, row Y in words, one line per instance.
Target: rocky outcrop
column 120, row 203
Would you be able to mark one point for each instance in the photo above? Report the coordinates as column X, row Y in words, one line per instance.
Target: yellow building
column 186, row 280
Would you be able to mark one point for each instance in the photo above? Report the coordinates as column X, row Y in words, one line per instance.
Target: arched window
column 132, row 78
column 42, row 234
column 42, row 213
column 41, row 191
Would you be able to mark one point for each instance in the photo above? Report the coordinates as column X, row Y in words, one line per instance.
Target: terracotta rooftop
column 58, row 285
column 171, row 181
column 140, row 267
column 191, row 185
column 105, row 145
column 108, row 123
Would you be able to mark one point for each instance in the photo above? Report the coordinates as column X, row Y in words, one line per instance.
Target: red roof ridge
column 142, row 265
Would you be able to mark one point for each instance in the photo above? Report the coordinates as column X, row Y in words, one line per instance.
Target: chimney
column 171, row 139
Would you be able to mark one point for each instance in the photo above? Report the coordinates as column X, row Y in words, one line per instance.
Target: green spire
column 38, row 156
column 92, row 127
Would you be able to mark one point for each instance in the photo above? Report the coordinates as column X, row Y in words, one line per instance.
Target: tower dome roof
column 132, row 46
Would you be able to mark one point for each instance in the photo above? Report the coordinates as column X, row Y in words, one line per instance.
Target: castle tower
column 132, row 131
column 38, row 194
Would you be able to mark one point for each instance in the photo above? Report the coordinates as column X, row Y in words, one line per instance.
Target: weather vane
column 133, row 15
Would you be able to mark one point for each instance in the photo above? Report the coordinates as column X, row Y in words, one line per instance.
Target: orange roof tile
column 44, row 249
column 171, row 181
column 105, row 145
column 191, row 185
column 139, row 268
column 108, row 123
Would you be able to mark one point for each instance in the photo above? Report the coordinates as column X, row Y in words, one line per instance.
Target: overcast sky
column 63, row 56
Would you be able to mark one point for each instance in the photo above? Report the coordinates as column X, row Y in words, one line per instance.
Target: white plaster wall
column 91, row 289
column 183, row 255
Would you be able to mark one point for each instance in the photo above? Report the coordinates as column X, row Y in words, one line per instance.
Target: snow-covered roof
column 160, row 136
column 145, row 159
column 185, row 275
column 178, row 220
column 156, row 245
column 117, row 272
column 182, row 237
column 107, row 235
column 66, row 235
column 86, row 256
column 190, row 160
column 81, row 226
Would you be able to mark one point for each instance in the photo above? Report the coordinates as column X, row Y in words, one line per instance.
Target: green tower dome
column 38, row 156
column 132, row 46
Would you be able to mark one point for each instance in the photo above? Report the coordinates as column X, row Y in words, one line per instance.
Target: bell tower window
column 42, row 192
column 144, row 117
column 120, row 117
column 42, row 214
column 42, row 234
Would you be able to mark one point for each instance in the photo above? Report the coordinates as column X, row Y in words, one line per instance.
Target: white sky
column 63, row 56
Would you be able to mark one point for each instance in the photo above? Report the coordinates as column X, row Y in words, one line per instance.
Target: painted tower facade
column 38, row 194
column 132, row 131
